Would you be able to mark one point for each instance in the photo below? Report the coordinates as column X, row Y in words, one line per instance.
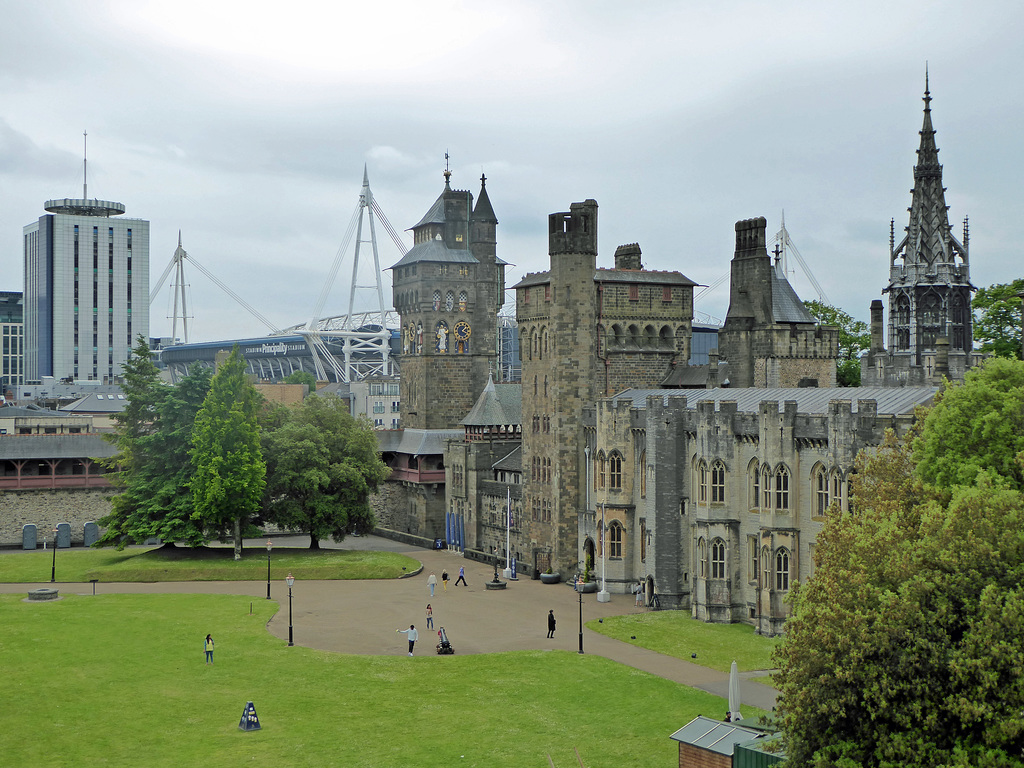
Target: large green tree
column 229, row 471
column 904, row 649
column 322, row 465
column 997, row 318
column 854, row 340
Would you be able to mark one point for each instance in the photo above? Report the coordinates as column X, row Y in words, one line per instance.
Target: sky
column 246, row 127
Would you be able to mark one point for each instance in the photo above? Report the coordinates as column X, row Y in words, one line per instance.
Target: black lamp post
column 581, row 621
column 53, row 568
column 290, row 580
column 270, row 545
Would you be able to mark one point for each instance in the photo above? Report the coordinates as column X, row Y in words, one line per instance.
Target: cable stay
column 785, row 246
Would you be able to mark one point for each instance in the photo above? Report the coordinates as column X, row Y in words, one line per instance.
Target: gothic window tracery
column 717, row 559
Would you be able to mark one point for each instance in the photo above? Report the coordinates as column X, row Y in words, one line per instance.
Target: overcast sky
column 246, row 127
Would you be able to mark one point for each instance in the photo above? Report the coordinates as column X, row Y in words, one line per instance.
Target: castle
column 599, row 462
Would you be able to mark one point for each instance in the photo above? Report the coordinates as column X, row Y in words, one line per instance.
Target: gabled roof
column 511, row 463
column 417, row 442
column 498, row 404
column 714, row 735
column 97, row 403
column 648, row 276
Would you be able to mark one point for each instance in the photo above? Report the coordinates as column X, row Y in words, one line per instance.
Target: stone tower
column 447, row 290
column 769, row 338
column 929, row 285
column 584, row 333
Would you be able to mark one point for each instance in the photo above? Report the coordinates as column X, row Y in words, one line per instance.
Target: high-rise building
column 86, row 289
column 12, row 335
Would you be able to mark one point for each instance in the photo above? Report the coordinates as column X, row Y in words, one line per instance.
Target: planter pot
column 550, row 578
column 589, row 587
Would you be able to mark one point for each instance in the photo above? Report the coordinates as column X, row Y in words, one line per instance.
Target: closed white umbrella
column 734, row 694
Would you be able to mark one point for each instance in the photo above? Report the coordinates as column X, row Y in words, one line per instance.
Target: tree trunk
column 238, row 538
column 314, row 542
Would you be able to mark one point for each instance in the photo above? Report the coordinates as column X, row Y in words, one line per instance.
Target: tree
column 322, row 465
column 904, row 648
column 997, row 318
column 302, row 377
column 976, row 427
column 229, row 471
column 854, row 340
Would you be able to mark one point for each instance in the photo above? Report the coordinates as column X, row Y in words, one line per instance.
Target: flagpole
column 603, row 596
column 508, row 531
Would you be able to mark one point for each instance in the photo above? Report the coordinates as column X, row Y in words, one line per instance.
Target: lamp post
column 53, row 568
column 290, row 580
column 581, row 621
column 270, row 545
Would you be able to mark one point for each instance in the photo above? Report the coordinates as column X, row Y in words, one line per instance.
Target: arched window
column 601, row 469
column 545, row 340
column 754, row 485
column 820, row 490
column 782, row 488
column 437, row 300
column 782, row 569
column 837, row 489
column 717, row 559
column 766, row 568
column 766, row 487
column 463, row 300
column 642, row 471
column 650, row 337
column 702, row 558
column 618, row 339
column 634, row 335
column 666, row 337
column 718, row 483
column 449, row 300
column 615, row 470
column 615, row 537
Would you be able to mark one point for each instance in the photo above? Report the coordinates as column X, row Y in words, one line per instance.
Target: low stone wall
column 46, row 508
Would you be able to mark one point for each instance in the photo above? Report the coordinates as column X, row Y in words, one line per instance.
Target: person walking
column 462, row 577
column 432, row 582
column 430, row 617
column 551, row 623
column 208, row 646
column 444, row 579
column 411, row 634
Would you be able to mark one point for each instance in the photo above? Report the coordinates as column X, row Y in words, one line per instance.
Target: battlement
column 574, row 231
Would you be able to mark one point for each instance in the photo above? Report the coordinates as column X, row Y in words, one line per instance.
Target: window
column 717, row 559
column 449, row 300
column 666, row 293
column 766, row 567
column 615, row 471
column 820, row 491
column 766, row 488
column 751, row 558
column 837, row 489
column 702, row 483
column 754, row 490
column 782, row 488
column 601, row 469
column 782, row 569
column 718, row 483
column 702, row 558
column 615, row 536
column 642, row 471
column 634, row 293
column 643, row 541
column 437, row 300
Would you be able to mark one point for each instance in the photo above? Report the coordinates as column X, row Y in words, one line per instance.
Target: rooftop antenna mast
column 85, row 165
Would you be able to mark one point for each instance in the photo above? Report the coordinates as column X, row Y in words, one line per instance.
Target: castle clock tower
column 447, row 290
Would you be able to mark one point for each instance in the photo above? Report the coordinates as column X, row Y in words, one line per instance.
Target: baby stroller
column 444, row 647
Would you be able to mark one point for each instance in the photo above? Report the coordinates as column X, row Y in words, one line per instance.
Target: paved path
column 361, row 616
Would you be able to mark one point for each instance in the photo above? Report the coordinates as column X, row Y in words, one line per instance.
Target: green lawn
column 675, row 633
column 201, row 564
column 120, row 680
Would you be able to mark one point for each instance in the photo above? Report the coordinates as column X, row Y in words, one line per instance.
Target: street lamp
column 270, row 546
column 581, row 621
column 53, row 568
column 290, row 580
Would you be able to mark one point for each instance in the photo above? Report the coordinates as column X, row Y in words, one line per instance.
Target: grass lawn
column 120, row 680
column 675, row 633
column 201, row 564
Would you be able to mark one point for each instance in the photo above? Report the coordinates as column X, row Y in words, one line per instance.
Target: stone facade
column 46, row 508
column 584, row 333
column 714, row 500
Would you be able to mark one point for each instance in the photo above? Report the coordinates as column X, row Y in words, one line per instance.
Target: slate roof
column 786, row 305
column 497, row 404
column 511, row 463
column 55, row 447
column 97, row 403
column 435, row 251
column 714, row 735
column 810, row 400
column 693, row 376
column 417, row 442
column 656, row 277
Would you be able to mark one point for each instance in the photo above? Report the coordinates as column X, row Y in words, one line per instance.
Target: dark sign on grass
column 250, row 720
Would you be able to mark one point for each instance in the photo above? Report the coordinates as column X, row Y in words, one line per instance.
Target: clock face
column 462, row 330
